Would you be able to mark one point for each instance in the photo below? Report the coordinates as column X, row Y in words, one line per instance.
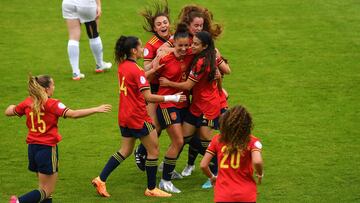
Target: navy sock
column 141, row 150
column 151, row 170
column 214, row 166
column 193, row 151
column 204, row 145
column 169, row 166
column 47, row 200
column 33, row 196
column 113, row 162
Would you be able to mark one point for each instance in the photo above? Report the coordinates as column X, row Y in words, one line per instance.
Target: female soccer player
column 237, row 151
column 204, row 109
column 88, row 12
column 158, row 23
column 134, row 121
column 175, row 67
column 42, row 113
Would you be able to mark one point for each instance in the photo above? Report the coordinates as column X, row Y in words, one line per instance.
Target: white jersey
column 82, row 3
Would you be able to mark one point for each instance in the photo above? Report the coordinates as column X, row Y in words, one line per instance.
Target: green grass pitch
column 295, row 65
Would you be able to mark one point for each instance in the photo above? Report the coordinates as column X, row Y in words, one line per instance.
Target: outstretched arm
column 87, row 112
column 187, row 85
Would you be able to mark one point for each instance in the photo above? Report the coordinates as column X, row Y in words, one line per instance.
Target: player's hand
column 164, row 82
column 104, row 108
column 156, row 63
column 98, row 12
column 182, row 96
column 213, row 180
column 217, row 74
column 259, row 177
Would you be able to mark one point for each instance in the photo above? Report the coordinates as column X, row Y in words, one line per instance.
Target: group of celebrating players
column 180, row 91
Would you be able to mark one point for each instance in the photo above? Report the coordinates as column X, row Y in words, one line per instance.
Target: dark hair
column 235, row 128
column 150, row 15
column 182, row 31
column 123, row 47
column 189, row 12
column 209, row 54
column 36, row 88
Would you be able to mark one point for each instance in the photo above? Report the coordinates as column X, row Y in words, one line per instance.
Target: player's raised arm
column 87, row 112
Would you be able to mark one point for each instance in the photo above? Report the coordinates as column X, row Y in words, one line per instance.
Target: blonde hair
column 36, row 88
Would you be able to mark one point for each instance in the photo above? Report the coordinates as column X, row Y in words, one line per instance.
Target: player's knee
column 91, row 29
column 153, row 151
column 178, row 143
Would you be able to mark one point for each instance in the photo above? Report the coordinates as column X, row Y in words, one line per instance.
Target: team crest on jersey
column 142, row 80
column 258, row 144
column 173, row 116
column 146, row 52
column 61, row 105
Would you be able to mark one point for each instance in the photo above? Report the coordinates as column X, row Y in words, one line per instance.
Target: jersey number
column 234, row 159
column 42, row 127
column 122, row 86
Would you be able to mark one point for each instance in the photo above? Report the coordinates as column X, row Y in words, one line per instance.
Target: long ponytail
column 36, row 88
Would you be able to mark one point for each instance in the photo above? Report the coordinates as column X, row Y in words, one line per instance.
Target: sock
column 47, row 200
column 74, row 52
column 193, row 151
column 214, row 166
column 142, row 150
column 204, row 145
column 97, row 50
column 33, row 196
column 113, row 162
column 169, row 166
column 151, row 170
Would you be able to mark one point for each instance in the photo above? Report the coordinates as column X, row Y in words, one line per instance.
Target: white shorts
column 84, row 14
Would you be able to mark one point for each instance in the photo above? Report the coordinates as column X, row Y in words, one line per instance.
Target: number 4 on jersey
column 122, row 86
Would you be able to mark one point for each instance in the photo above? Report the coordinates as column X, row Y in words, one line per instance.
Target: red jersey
column 175, row 70
column 205, row 99
column 132, row 106
column 235, row 182
column 42, row 127
column 223, row 101
column 150, row 51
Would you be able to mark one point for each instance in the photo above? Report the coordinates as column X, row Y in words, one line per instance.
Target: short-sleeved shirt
column 175, row 70
column 235, row 182
column 132, row 107
column 43, row 128
column 150, row 51
column 206, row 98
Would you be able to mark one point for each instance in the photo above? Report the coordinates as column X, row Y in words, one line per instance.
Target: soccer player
column 238, row 153
column 88, row 12
column 224, row 68
column 134, row 121
column 42, row 113
column 175, row 67
column 158, row 23
column 204, row 109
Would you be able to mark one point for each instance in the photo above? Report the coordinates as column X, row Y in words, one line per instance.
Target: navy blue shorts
column 170, row 116
column 137, row 133
column 201, row 121
column 43, row 158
